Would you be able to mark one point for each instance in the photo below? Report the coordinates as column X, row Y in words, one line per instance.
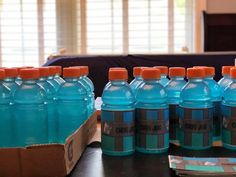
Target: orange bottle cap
column 177, row 71
column 163, row 69
column 71, row 72
column 138, row 70
column 233, row 72
column 84, row 70
column 11, row 72
column 151, row 73
column 195, row 73
column 58, row 70
column 117, row 68
column 209, row 71
column 118, row 74
column 19, row 68
column 52, row 70
column 43, row 71
column 29, row 73
column 2, row 74
column 226, row 70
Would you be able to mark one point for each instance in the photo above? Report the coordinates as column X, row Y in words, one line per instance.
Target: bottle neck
column 178, row 78
column 138, row 78
column 226, row 76
column 163, row 76
column 9, row 79
column 51, row 77
column 29, row 81
column 151, row 81
column 118, row 82
column 209, row 78
column 195, row 79
column 57, row 75
column 71, row 79
column 41, row 79
column 233, row 80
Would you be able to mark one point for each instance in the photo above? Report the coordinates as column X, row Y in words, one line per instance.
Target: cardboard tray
column 49, row 160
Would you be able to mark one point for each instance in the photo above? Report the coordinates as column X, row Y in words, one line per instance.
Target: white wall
column 221, row 6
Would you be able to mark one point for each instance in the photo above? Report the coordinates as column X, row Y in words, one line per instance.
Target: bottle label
column 152, row 128
column 195, row 127
column 217, row 119
column 229, row 125
column 118, row 130
column 174, row 121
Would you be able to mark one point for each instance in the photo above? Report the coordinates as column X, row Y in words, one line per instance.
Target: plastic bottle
column 88, row 87
column 51, row 104
column 118, row 116
column 9, row 81
column 71, row 104
column 51, row 79
column 225, row 80
column 164, row 71
column 229, row 113
column 30, row 110
column 216, row 97
column 152, row 114
column 137, row 81
column 88, row 83
column 195, row 112
column 173, row 89
column 57, row 76
column 6, row 133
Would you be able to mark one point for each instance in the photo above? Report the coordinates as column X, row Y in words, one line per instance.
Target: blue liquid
column 229, row 110
column 30, row 114
column 164, row 80
column 216, row 95
column 118, row 113
column 71, row 107
column 53, row 82
column 51, row 109
column 173, row 90
column 11, row 84
column 196, row 116
column 224, row 82
column 6, row 122
column 152, row 110
column 87, row 83
column 134, row 84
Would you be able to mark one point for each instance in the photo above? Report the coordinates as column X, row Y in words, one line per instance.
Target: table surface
column 94, row 164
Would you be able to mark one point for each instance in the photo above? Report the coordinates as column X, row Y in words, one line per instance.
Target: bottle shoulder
column 71, row 89
column 48, row 88
column 175, row 85
column 151, row 92
column 215, row 89
column 196, row 95
column 29, row 94
column 115, row 95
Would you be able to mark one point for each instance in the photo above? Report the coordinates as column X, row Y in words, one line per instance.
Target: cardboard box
column 50, row 160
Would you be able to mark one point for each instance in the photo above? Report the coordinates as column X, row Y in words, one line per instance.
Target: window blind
column 31, row 30
column 27, row 31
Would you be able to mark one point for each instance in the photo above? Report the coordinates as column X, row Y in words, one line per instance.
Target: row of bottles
column 37, row 106
column 153, row 110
